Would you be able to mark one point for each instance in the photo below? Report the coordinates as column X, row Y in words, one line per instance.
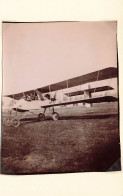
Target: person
column 32, row 96
column 36, row 96
column 28, row 98
column 25, row 97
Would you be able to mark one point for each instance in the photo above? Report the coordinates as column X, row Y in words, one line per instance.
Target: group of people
column 30, row 97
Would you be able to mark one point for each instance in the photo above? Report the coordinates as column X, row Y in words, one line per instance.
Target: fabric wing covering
column 90, row 100
column 107, row 73
column 91, row 90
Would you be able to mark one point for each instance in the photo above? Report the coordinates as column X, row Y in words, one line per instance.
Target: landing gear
column 41, row 117
column 55, row 116
column 7, row 122
column 15, row 122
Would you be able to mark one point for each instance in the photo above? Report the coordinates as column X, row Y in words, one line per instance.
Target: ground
column 82, row 140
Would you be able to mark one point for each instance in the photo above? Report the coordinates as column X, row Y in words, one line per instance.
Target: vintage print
column 60, row 100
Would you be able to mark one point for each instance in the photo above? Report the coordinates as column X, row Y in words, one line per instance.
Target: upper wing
column 110, row 72
column 20, row 95
column 103, row 74
column 90, row 100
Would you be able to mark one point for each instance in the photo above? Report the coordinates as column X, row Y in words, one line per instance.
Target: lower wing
column 89, row 100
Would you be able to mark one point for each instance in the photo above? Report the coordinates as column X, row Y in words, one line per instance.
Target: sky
column 39, row 54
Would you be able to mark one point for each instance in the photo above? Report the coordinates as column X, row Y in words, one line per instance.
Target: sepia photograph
column 60, row 97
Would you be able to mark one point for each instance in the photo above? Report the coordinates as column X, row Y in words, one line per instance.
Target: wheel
column 15, row 122
column 7, row 122
column 41, row 117
column 55, row 116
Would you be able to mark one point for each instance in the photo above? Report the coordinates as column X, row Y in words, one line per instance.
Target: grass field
column 83, row 139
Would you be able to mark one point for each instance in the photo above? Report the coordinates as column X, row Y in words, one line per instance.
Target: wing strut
column 96, row 82
column 67, row 87
column 109, row 83
column 50, row 92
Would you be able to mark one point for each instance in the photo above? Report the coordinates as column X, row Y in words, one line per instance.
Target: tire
column 41, row 117
column 15, row 122
column 7, row 122
column 55, row 116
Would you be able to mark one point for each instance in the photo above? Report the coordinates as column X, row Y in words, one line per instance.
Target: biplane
column 39, row 100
